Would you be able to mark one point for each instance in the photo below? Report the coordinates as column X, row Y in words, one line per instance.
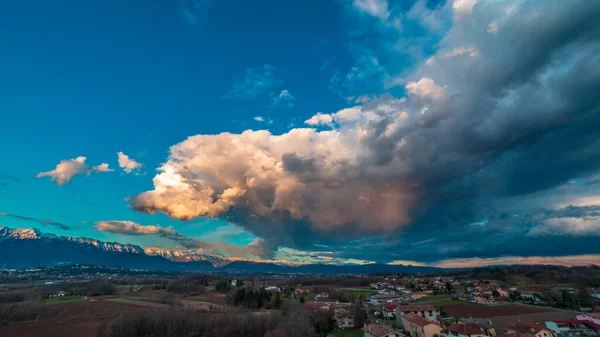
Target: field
column 486, row 311
column 62, row 300
column 361, row 291
column 431, row 299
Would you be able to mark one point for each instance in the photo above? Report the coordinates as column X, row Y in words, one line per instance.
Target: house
column 317, row 305
column 380, row 330
column 533, row 328
column 528, row 295
column 426, row 311
column 581, row 327
column 389, row 310
column 418, row 326
column 344, row 319
column 469, row 330
column 60, row 294
column 587, row 317
column 385, row 298
column 273, row 289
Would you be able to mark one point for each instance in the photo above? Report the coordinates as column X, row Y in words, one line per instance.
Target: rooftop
column 418, row 320
column 378, row 330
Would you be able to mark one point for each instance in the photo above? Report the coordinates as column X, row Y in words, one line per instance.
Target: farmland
column 486, row 311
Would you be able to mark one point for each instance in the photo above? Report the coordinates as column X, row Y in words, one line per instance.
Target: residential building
column 380, row 330
column 469, row 330
column 418, row 326
column 533, row 328
column 344, row 319
column 386, row 298
column 426, row 311
column 586, row 317
column 389, row 310
column 578, row 327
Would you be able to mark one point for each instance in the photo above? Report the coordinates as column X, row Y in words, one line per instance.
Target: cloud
column 254, row 83
column 259, row 118
column 471, row 130
column 425, row 87
column 284, row 99
column 378, row 9
column 43, row 222
column 131, row 228
column 67, row 169
column 319, row 119
column 127, row 164
column 255, row 248
column 195, row 12
column 102, row 168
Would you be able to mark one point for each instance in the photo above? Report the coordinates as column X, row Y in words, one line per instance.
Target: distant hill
column 31, row 248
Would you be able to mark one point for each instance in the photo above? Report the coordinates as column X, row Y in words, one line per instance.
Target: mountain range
column 31, row 248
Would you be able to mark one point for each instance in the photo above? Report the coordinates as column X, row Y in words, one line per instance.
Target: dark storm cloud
column 506, row 108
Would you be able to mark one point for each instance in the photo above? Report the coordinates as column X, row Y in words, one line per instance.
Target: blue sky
column 448, row 78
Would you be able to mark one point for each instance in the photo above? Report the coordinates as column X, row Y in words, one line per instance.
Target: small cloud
column 44, row 222
column 254, row 83
column 426, row 87
column 69, row 168
column 284, row 99
column 259, row 118
column 195, row 12
column 102, row 168
column 127, row 164
column 320, row 119
column 131, row 228
column 493, row 27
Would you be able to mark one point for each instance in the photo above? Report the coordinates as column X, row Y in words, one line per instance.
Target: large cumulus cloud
column 505, row 107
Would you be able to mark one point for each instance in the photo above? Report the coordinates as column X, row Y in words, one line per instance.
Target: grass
column 390, row 322
column 347, row 333
column 361, row 292
column 499, row 330
column 431, row 298
column 62, row 299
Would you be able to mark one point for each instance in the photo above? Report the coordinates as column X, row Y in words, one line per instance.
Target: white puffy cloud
column 69, row 168
column 319, row 119
column 463, row 7
column 127, row 164
column 426, row 87
column 259, row 118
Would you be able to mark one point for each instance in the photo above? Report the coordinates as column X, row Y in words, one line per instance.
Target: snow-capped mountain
column 179, row 256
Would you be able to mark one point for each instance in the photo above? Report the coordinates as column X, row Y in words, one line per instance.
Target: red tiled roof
column 576, row 321
column 418, row 320
column 529, row 327
column 468, row 329
column 378, row 330
column 390, row 307
column 416, row 307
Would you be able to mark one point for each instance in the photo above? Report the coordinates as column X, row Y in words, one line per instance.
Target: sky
column 443, row 133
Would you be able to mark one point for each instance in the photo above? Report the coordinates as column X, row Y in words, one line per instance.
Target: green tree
column 302, row 300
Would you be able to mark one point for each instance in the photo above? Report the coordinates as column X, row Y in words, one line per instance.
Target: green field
column 361, row 292
column 347, row 333
column 62, row 299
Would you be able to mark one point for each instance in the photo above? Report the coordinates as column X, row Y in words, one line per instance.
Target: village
column 408, row 305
